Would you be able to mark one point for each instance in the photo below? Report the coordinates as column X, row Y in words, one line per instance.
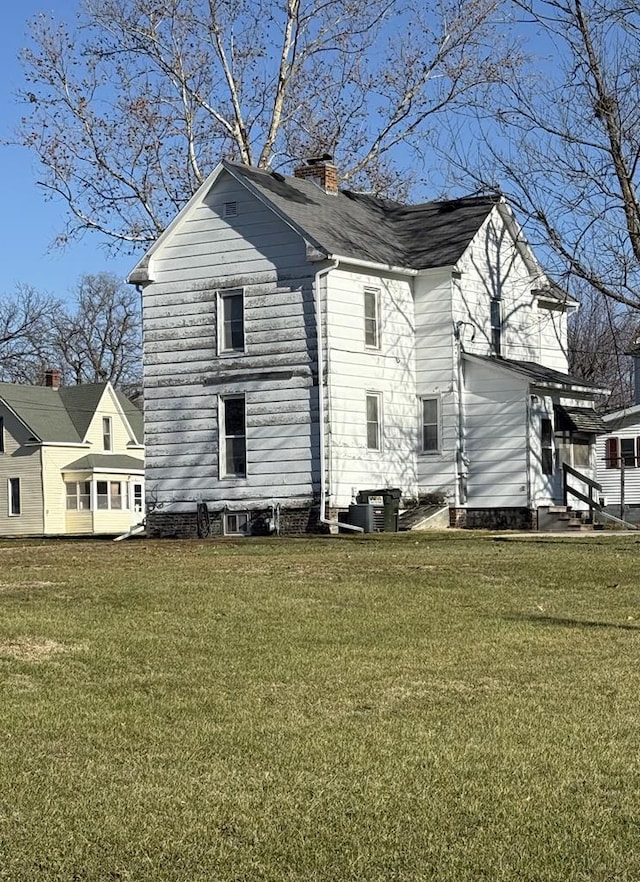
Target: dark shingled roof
column 64, row 414
column 579, row 419
column 538, row 373
column 367, row 228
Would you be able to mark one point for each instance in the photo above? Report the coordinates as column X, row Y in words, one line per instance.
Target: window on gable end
column 107, row 439
column 496, row 327
column 231, row 320
column 1, row 434
column 233, row 437
column 15, row 497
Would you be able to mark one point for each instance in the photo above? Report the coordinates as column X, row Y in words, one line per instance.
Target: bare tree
column 601, row 334
column 128, row 112
column 26, row 318
column 94, row 338
column 563, row 141
column 99, row 338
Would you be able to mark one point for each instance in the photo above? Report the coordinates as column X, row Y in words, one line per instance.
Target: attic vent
column 230, row 209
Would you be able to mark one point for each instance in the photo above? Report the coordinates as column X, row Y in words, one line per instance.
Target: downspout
column 462, row 460
column 321, row 428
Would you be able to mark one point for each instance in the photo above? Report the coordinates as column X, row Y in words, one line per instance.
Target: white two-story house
column 304, row 343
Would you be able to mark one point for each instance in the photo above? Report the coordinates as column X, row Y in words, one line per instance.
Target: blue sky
column 30, row 222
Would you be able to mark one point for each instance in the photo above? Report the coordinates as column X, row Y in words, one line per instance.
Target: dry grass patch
column 32, row 649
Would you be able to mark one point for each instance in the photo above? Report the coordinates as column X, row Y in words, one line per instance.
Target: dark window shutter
column 613, row 457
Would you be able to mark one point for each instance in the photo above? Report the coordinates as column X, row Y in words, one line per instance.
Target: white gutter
column 323, row 486
column 370, row 264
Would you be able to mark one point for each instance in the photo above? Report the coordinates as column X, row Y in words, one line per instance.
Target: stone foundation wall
column 188, row 525
column 492, row 518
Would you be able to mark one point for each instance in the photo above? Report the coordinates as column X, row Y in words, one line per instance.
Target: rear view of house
column 304, row 343
column 71, row 460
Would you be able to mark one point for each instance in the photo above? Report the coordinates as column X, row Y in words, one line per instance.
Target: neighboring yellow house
column 71, row 460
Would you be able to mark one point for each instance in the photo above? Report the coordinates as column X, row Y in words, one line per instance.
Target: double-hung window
column 546, row 445
column 372, row 318
column 430, row 424
column 231, row 320
column 109, row 495
column 623, row 452
column 496, row 326
column 15, row 500
column 374, row 420
column 107, row 439
column 78, row 495
column 233, row 437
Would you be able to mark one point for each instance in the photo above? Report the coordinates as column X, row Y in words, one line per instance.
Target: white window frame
column 236, row 523
column 107, row 434
column 372, row 295
column 10, row 498
column 435, row 399
column 132, row 501
column 378, row 423
column 224, row 437
column 225, row 296
column 496, row 322
column 77, row 495
column 109, row 507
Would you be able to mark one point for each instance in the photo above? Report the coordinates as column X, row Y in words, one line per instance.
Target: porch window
column 546, row 445
column 109, row 495
column 231, row 313
column 374, row 416
column 78, row 495
column 138, row 497
column 233, row 437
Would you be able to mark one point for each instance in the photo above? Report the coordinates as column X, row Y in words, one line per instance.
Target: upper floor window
column 107, row 439
column 372, row 318
column 233, row 437
column 231, row 312
column 15, row 500
column 623, row 452
column 1, row 434
column 374, row 421
column 496, row 327
column 430, row 425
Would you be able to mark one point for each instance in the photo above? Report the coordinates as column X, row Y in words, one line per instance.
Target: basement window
column 236, row 523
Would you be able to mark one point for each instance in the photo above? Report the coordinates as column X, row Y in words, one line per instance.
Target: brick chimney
column 322, row 170
column 51, row 378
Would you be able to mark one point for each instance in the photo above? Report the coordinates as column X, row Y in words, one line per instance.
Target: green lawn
column 452, row 707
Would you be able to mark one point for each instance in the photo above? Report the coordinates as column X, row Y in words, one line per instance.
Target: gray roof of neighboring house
column 106, row 461
column 364, row 227
column 538, row 373
column 64, row 414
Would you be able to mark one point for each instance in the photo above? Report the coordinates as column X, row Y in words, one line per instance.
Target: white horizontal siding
column 184, row 375
column 498, row 473
column 353, row 369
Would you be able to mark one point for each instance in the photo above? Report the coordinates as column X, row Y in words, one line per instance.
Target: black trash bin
column 386, row 505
